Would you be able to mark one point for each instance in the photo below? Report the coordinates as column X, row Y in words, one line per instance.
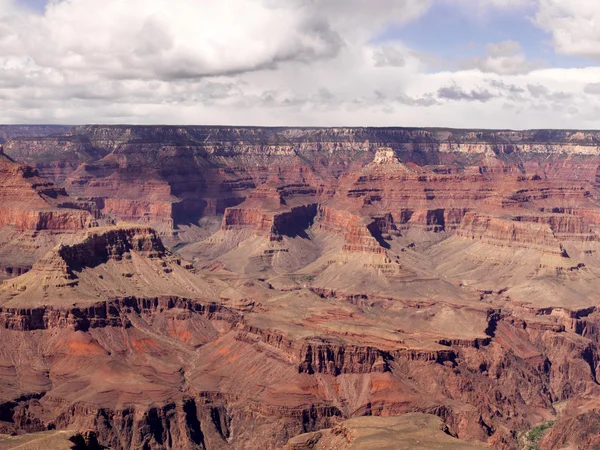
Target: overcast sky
column 456, row 63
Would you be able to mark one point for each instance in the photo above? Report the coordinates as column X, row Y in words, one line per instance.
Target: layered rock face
column 216, row 376
column 69, row 306
column 361, row 234
column 29, row 202
column 193, row 172
column 411, row 431
column 105, row 261
column 303, row 288
column 10, row 132
column 34, row 213
column 507, row 232
column 274, row 211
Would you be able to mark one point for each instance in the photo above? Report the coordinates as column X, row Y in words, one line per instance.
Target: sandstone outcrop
column 10, row 132
column 29, row 202
column 34, row 216
column 300, row 288
column 361, row 234
column 267, row 212
column 105, row 262
column 408, row 432
column 530, row 232
column 194, row 172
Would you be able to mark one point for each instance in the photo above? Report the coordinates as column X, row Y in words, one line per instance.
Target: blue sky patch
column 449, row 32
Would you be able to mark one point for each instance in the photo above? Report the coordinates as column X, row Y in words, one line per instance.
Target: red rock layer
column 200, row 171
column 273, row 225
column 505, row 231
column 482, row 391
column 362, row 234
column 29, row 202
column 274, row 211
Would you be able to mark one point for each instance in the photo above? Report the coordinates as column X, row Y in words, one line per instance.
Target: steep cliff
column 29, row 202
column 104, row 262
column 10, row 132
column 300, row 281
column 34, row 216
column 191, row 172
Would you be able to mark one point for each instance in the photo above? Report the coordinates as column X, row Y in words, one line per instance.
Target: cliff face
column 190, row 171
column 507, row 232
column 105, row 262
column 298, row 279
column 361, row 234
column 103, row 244
column 9, row 132
column 29, row 202
column 34, row 214
column 246, row 377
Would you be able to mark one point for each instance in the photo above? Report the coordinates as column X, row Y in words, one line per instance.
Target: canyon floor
column 284, row 288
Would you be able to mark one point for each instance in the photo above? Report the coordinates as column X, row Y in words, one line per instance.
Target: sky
column 516, row 64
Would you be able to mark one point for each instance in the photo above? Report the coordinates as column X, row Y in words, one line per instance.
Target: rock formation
column 194, row 172
column 218, row 287
column 407, row 432
column 11, row 132
column 33, row 212
column 29, row 202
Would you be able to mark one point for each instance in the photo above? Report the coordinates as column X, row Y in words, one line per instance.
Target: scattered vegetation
column 532, row 438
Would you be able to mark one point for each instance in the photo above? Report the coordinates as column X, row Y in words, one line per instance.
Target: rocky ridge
column 34, row 214
column 301, row 278
column 101, row 163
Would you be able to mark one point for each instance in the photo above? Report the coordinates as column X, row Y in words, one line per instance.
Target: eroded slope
column 316, row 280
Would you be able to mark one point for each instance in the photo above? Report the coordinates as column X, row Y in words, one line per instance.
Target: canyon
column 299, row 288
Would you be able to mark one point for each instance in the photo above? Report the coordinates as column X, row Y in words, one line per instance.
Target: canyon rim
column 299, row 224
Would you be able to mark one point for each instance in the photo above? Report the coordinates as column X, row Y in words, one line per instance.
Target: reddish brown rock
column 29, row 202
column 509, row 232
column 34, row 216
column 449, row 273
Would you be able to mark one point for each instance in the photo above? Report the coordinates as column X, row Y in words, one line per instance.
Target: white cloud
column 503, row 58
column 592, row 88
column 169, row 39
column 455, row 92
column 364, row 18
column 272, row 62
column 388, row 55
column 574, row 26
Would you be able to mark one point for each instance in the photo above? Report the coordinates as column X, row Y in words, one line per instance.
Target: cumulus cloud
column 158, row 51
column 511, row 89
column 389, row 56
column 426, row 100
column 573, row 26
column 592, row 88
column 503, row 58
column 168, row 39
column 458, row 93
column 273, row 62
column 357, row 17
column 539, row 91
